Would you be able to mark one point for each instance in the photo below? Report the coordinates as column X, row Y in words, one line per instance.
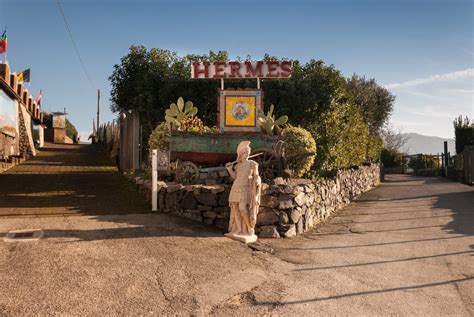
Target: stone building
column 20, row 121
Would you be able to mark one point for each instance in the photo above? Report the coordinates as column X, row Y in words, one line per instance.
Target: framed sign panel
column 238, row 110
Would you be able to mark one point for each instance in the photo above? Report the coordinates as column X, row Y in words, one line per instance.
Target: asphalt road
column 405, row 248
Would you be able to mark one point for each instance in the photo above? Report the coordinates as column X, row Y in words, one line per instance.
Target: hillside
column 418, row 143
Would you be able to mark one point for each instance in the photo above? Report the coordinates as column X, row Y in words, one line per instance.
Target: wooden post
column 98, row 108
column 154, row 180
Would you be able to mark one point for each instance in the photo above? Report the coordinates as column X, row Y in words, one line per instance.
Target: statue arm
column 230, row 170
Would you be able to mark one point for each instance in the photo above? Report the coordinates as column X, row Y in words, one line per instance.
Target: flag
column 38, row 99
column 24, row 76
column 3, row 42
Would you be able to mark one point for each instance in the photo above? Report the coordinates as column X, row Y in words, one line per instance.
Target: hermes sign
column 241, row 70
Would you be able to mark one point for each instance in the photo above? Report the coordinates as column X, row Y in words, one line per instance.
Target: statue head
column 243, row 150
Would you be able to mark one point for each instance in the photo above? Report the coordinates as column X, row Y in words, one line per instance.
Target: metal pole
column 154, row 180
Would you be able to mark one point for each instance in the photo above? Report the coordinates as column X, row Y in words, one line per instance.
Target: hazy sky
column 421, row 50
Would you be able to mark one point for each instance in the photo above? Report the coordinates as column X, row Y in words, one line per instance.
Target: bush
column 374, row 148
column 299, row 141
column 390, row 158
column 422, row 162
column 159, row 138
column 342, row 136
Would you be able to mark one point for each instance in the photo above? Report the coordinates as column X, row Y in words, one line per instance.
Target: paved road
column 67, row 179
column 405, row 248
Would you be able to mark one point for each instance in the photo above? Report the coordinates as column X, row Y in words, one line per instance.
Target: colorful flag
column 24, row 76
column 38, row 99
column 3, row 42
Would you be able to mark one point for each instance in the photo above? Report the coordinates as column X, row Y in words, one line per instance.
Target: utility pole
column 98, row 108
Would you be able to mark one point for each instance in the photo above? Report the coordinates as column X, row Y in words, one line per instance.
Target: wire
column 74, row 44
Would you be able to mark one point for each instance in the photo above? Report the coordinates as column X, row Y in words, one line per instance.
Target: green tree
column 375, row 102
column 463, row 133
column 342, row 136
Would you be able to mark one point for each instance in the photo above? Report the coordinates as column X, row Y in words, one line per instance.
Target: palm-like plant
column 179, row 111
column 268, row 122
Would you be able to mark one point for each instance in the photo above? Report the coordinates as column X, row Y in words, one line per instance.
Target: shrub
column 159, row 138
column 299, row 141
column 342, row 136
column 422, row 162
column 390, row 158
column 374, row 148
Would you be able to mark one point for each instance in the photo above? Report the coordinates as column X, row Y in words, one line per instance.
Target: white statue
column 244, row 198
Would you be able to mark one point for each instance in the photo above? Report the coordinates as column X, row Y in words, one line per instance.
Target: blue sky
column 422, row 51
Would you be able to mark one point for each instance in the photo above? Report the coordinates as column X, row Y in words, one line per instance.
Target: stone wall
column 288, row 207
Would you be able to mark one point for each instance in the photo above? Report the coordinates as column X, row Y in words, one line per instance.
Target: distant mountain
column 418, row 143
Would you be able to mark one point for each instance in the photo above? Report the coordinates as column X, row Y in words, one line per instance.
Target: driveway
column 405, row 248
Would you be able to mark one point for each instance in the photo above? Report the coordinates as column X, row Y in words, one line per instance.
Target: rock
column 300, row 226
column 221, row 223
column 189, row 201
column 268, row 201
column 170, row 200
column 286, row 189
column 192, row 216
column 285, row 202
column 217, row 189
column 208, row 221
column 224, row 198
column 267, row 217
column 288, row 230
column 204, row 208
column 173, row 187
column 222, row 209
column 161, row 200
column 295, row 215
column 268, row 232
column 279, row 181
column 283, row 217
column 207, row 199
column 301, row 199
column 210, row 214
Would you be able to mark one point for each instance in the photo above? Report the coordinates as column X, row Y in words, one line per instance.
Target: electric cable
column 74, row 44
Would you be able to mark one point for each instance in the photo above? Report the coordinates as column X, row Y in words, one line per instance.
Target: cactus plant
column 179, row 111
column 268, row 122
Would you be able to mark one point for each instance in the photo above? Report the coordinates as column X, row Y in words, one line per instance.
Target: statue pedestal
column 242, row 238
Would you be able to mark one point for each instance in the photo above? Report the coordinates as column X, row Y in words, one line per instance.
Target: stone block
column 173, row 188
column 288, row 230
column 268, row 232
column 222, row 223
column 189, row 201
column 266, row 217
column 300, row 199
column 204, row 208
column 224, row 198
column 207, row 198
column 283, row 217
column 295, row 215
column 170, row 200
column 268, row 201
column 300, row 226
column 285, row 201
column 192, row 216
column 208, row 221
column 209, row 214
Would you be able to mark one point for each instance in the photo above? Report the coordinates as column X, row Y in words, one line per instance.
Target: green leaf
column 188, row 106
column 270, row 113
column 174, row 108
column 193, row 112
column 180, row 103
column 171, row 112
column 281, row 120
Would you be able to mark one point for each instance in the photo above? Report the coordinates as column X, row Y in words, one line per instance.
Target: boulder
column 189, row 201
column 268, row 232
column 268, row 201
column 285, row 201
column 207, row 199
column 288, row 230
column 266, row 217
column 295, row 215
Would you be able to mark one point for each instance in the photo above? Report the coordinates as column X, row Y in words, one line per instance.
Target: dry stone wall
column 288, row 207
